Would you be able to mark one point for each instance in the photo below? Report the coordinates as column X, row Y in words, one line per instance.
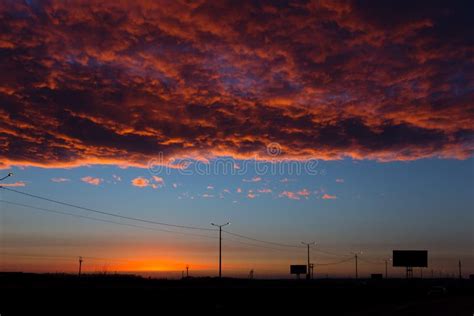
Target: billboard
column 298, row 269
column 410, row 258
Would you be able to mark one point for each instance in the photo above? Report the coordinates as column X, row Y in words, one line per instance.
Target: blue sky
column 376, row 207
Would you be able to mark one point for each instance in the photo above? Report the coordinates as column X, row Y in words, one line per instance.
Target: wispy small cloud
column 304, row 193
column 254, row 179
column 210, row 187
column 266, row 190
column 290, row 195
column 15, row 184
column 205, row 195
column 251, row 195
column 59, row 180
column 239, row 190
column 92, row 180
column 328, row 197
column 340, row 180
column 159, row 180
column 116, row 178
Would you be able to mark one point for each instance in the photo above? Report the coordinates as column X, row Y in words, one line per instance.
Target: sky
column 347, row 123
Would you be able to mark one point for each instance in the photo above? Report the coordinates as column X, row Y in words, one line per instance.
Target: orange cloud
column 304, row 193
column 328, row 197
column 15, row 184
column 329, row 81
column 91, row 180
column 140, row 182
column 290, row 195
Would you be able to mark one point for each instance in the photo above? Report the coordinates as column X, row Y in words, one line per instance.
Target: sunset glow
column 130, row 126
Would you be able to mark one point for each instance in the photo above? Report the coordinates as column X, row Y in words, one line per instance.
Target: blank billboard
column 410, row 258
column 297, row 269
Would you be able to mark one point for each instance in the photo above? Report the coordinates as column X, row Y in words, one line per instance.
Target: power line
column 133, row 225
column 262, row 241
column 257, row 246
column 20, row 255
column 150, row 222
column 333, row 263
column 329, row 253
column 370, row 261
column 281, row 244
column 141, row 227
column 103, row 220
column 137, row 226
column 107, row 213
column 8, row 175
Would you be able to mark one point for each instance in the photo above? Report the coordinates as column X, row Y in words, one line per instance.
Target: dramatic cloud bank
column 117, row 83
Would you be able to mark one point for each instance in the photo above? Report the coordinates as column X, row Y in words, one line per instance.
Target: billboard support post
column 298, row 269
column 410, row 259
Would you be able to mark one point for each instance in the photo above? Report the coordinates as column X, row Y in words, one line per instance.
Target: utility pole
column 80, row 265
column 355, row 257
column 460, row 272
column 187, row 271
column 220, row 246
column 357, row 276
column 386, row 267
column 308, row 273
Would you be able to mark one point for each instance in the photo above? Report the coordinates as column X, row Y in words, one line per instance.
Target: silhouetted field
column 47, row 294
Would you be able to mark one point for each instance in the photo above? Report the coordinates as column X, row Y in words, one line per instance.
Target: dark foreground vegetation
column 46, row 294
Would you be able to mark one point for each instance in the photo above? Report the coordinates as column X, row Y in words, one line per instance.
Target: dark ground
column 46, row 294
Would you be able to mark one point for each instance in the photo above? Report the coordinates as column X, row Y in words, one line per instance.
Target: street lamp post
column 220, row 246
